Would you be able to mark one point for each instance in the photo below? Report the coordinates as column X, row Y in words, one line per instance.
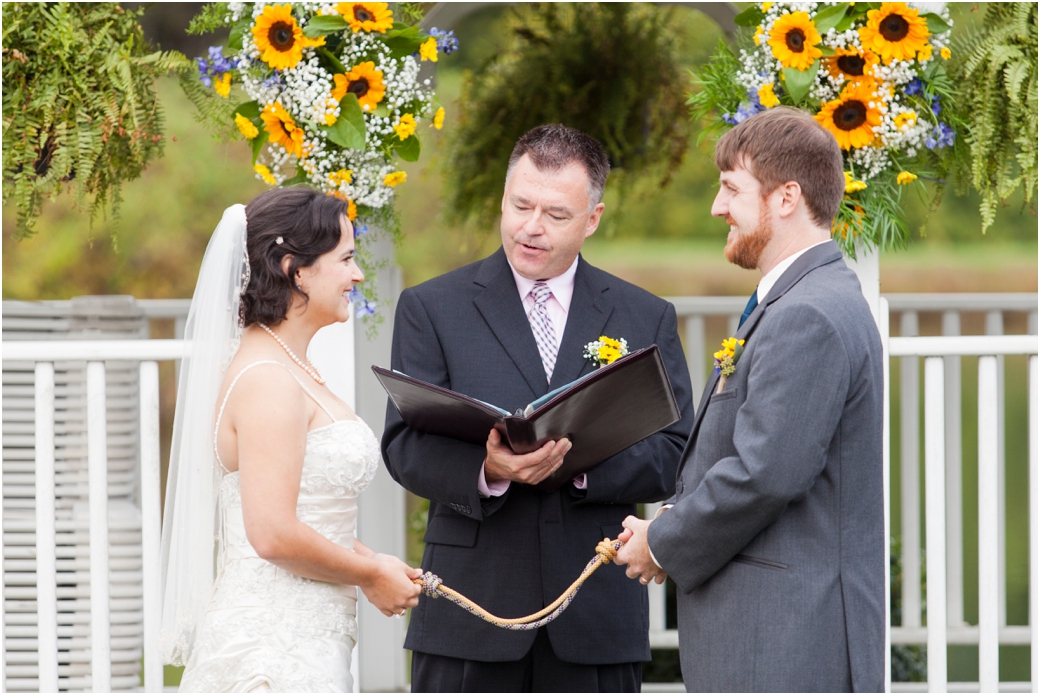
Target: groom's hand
column 636, row 553
column 532, row 468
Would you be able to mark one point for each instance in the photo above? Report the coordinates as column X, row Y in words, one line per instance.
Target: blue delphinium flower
column 273, row 82
column 941, row 136
column 745, row 110
column 446, row 41
column 914, row 87
column 216, row 66
column 362, row 307
column 935, row 105
column 360, row 230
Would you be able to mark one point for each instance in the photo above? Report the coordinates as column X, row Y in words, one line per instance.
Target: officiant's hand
column 636, row 553
column 532, row 468
column 390, row 587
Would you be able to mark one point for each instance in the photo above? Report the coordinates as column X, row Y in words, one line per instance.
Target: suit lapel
column 813, row 258
column 500, row 305
column 586, row 318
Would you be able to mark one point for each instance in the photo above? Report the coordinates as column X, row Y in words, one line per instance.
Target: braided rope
column 432, row 586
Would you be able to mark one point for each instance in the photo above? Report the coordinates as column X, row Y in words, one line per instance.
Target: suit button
column 679, row 487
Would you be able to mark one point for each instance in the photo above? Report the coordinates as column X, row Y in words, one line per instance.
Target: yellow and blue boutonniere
column 605, row 350
column 726, row 360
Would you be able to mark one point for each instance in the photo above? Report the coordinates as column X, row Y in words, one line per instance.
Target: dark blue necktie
column 751, row 304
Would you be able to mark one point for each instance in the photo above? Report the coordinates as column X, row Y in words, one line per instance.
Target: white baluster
column 910, row 476
column 1034, row 519
column 951, row 324
column 995, row 326
column 886, row 473
column 97, row 473
column 935, row 520
column 150, row 524
column 989, row 575
column 695, row 354
column 46, row 570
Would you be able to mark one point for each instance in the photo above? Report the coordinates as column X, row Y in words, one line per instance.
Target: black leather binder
column 602, row 413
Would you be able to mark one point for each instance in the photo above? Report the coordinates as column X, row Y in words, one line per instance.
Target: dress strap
column 223, row 404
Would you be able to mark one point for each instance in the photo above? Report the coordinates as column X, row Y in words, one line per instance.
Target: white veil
column 189, row 537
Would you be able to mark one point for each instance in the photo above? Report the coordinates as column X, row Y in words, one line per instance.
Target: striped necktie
column 541, row 326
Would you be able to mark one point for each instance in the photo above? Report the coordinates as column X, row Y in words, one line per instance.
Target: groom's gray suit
column 776, row 538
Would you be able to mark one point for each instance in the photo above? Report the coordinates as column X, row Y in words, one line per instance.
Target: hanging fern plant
column 995, row 68
column 79, row 104
column 610, row 70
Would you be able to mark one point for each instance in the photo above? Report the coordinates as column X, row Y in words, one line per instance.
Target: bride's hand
column 392, row 589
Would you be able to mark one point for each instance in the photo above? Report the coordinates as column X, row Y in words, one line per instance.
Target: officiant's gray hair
column 554, row 146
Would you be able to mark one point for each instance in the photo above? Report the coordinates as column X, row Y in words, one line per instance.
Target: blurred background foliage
column 662, row 238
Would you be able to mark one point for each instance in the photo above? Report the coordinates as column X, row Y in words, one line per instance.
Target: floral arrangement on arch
column 872, row 74
column 333, row 96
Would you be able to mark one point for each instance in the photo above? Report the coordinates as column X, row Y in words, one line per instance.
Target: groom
column 506, row 330
column 776, row 537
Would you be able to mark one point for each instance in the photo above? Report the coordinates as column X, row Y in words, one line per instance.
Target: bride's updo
column 298, row 221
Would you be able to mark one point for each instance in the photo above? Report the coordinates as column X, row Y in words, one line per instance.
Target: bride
column 259, row 555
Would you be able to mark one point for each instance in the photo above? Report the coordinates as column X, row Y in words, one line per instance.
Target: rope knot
column 607, row 549
column 430, row 582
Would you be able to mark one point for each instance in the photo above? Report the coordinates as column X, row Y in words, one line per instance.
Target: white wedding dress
column 266, row 629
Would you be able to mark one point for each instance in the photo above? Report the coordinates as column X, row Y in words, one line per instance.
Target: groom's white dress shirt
column 562, row 288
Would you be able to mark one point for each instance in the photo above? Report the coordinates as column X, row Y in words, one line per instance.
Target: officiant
column 506, row 330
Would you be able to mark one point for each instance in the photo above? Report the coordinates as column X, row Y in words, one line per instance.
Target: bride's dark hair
column 298, row 221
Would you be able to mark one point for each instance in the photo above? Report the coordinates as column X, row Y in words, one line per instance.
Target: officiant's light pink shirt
column 562, row 288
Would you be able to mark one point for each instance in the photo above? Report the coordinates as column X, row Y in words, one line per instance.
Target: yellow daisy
column 222, row 84
column 945, row 53
column 767, row 96
column 351, row 210
column 280, row 39
column 395, row 178
column 283, row 129
column 905, row 177
column 428, row 50
column 766, row 6
column 794, row 39
column 364, row 81
column 343, row 176
column 367, row 16
column 850, row 64
column 851, row 117
column 265, row 174
column 853, row 185
column 438, row 119
column 759, row 33
column 405, row 127
column 246, row 127
column 895, row 32
column 925, row 53
column 905, row 118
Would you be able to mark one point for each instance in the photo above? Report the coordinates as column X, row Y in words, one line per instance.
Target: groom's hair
column 295, row 220
column 786, row 144
column 552, row 147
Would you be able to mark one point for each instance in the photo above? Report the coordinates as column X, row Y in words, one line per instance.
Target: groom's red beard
column 746, row 249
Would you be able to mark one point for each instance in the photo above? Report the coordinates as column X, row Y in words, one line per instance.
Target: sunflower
column 850, row 64
column 852, row 116
column 364, row 81
column 367, row 16
column 280, row 39
column 282, row 128
column 794, row 39
column 895, row 32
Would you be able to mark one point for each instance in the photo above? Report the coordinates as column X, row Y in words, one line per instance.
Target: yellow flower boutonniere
column 726, row 360
column 605, row 350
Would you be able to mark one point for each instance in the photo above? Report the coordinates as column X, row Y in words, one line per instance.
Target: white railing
column 695, row 313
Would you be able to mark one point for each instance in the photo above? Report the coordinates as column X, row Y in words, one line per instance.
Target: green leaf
column 751, row 17
column 936, row 24
column 258, row 143
column 407, row 149
column 301, row 177
column 404, row 41
column 337, row 66
column 828, row 18
column 826, row 50
column 324, row 24
column 349, row 129
column 250, row 109
column 797, row 82
column 238, row 33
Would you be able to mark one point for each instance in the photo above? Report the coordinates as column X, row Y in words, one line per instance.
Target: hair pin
column 279, row 241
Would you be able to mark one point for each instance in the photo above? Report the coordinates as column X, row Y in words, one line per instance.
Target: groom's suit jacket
column 513, row 555
column 776, row 540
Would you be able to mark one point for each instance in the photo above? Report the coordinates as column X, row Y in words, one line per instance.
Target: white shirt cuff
column 581, row 482
column 659, row 512
column 652, row 557
column 486, row 489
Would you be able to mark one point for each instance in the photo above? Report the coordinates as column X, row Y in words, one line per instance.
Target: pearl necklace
column 309, row 367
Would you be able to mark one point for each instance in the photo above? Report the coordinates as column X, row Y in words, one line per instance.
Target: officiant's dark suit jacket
column 776, row 540
column 468, row 331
